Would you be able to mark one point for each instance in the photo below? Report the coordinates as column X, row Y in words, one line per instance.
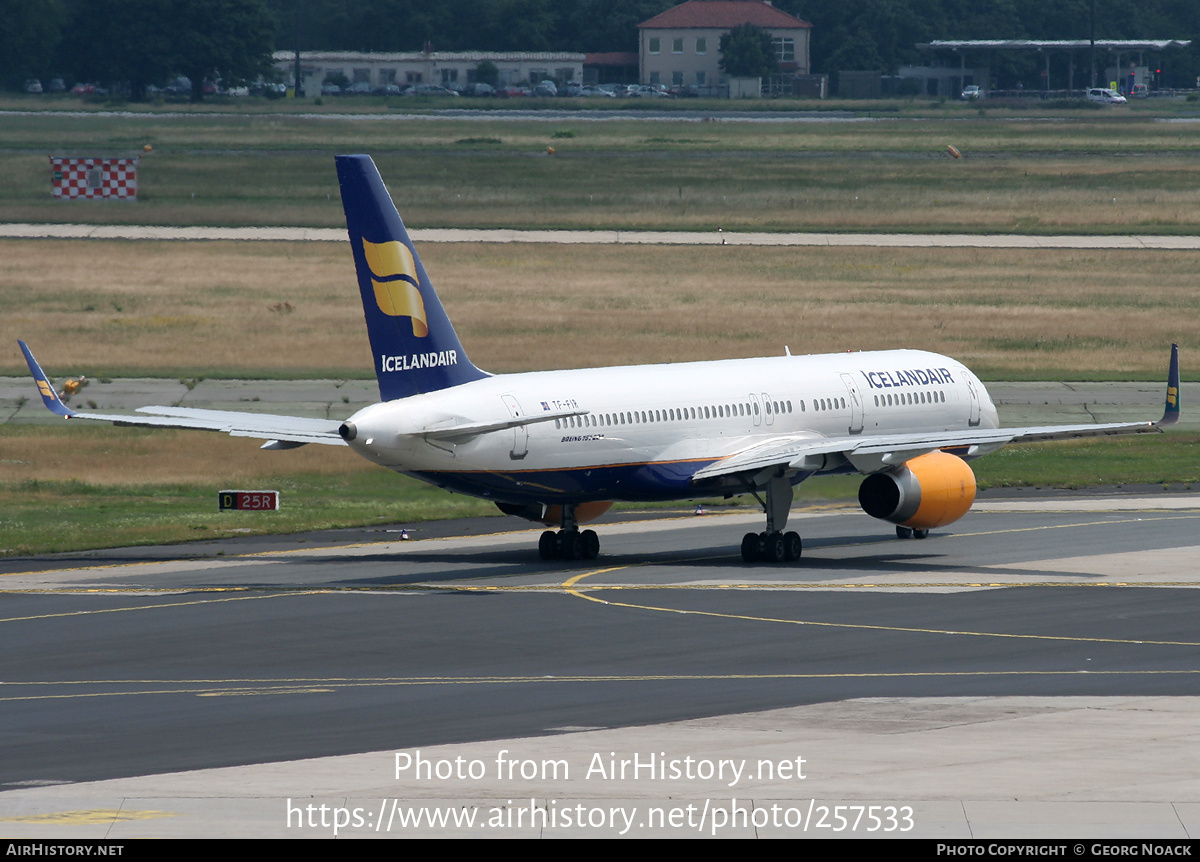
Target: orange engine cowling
column 929, row 491
column 551, row 516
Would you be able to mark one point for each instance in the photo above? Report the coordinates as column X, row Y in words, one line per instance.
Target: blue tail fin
column 415, row 348
column 45, row 388
column 1171, row 411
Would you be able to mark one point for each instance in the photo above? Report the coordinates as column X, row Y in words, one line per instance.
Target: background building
column 682, row 46
column 453, row 69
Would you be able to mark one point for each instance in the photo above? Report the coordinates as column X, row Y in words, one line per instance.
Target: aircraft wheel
column 792, row 547
column 589, row 545
column 920, row 534
column 904, row 532
column 750, row 548
column 568, row 544
column 548, row 546
column 776, row 548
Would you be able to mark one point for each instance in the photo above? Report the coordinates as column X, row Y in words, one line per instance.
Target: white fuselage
column 648, row 428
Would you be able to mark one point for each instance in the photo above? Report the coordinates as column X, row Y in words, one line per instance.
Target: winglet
column 49, row 396
column 1171, row 412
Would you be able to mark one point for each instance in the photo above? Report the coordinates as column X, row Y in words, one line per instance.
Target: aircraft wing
column 893, row 449
column 872, row 453
column 285, row 431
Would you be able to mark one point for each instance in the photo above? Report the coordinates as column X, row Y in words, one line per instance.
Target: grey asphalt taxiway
column 1031, row 670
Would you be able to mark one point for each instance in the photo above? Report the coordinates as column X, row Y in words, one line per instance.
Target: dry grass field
column 115, row 308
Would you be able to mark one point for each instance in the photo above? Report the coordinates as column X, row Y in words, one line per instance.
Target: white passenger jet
column 559, row 446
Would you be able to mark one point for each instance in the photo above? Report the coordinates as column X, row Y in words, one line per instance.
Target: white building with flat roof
column 444, row 68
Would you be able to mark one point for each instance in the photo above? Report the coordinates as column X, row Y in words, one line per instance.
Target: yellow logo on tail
column 1172, row 395
column 47, row 392
column 400, row 296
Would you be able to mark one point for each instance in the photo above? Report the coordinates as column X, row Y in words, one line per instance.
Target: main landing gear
column 910, row 533
column 569, row 543
column 773, row 545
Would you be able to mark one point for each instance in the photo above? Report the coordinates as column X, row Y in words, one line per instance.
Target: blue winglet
column 1171, row 412
column 45, row 389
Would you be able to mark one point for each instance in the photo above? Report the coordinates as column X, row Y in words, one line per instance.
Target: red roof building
column 681, row 47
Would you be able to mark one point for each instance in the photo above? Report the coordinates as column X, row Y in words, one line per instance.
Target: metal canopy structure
column 1054, row 44
column 1051, row 46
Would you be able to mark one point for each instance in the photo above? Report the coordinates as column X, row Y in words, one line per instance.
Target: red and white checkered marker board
column 94, row 178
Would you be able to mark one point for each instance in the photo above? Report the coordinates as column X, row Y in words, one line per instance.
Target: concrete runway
column 1029, row 671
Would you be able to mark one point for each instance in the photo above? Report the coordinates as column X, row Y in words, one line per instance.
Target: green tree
column 140, row 42
column 747, row 52
column 28, row 37
column 608, row 25
column 487, row 73
column 221, row 39
column 119, row 41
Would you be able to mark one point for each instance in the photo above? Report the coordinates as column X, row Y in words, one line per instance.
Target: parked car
column 180, row 86
column 546, row 88
column 971, row 92
column 33, row 85
column 1105, row 96
column 478, row 88
column 430, row 90
column 649, row 91
column 1139, row 91
column 359, row 88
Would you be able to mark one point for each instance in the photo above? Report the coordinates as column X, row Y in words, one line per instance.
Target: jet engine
column 929, row 491
column 551, row 516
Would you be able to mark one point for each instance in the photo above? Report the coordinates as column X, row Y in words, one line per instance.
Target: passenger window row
column 677, row 414
column 922, row 397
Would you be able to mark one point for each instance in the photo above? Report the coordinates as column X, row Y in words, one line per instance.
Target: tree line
column 145, row 41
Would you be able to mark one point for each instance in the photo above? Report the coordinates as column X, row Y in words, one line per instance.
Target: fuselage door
column 974, row 419
column 520, row 447
column 756, row 409
column 856, row 407
column 768, row 410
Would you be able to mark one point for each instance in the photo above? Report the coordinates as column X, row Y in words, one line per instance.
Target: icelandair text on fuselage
column 908, row 377
column 413, row 361
column 655, row 766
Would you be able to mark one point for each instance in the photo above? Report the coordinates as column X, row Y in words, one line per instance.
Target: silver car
column 1105, row 96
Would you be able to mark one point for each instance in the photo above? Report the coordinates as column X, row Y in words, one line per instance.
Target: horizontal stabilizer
column 264, row 426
